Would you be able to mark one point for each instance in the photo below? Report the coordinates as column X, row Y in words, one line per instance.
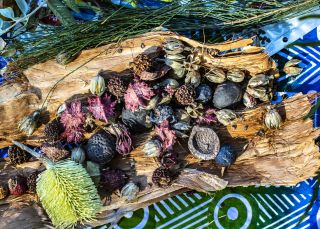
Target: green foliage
column 68, row 194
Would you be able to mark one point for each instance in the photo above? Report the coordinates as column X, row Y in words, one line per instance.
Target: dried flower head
column 166, row 135
column 53, row 130
column 162, row 113
column 169, row 160
column 54, row 151
column 124, row 142
column 272, row 118
column 162, row 177
column 116, row 87
column 137, row 95
column 113, row 179
column 97, row 85
column 185, row 95
column 141, row 63
column 101, row 108
column 30, row 123
column 208, row 117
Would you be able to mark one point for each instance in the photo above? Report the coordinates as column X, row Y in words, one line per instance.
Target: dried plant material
column 235, row 75
column 200, row 181
column 159, row 71
column 97, row 85
column 124, row 142
column 102, row 108
column 30, row 123
column 54, row 151
column 291, row 69
column 226, row 116
column 208, row 117
column 272, row 118
column 162, row 177
column 185, row 95
column 116, row 87
column 216, row 75
column 166, row 135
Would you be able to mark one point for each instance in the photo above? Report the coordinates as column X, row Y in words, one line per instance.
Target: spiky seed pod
column 152, row 148
column 141, row 63
column 272, row 118
column 116, row 87
column 113, row 179
column 226, row 116
column 101, row 147
column 32, row 182
column 162, row 177
column 185, row 95
column 97, row 85
column 17, row 185
column 235, row 75
column 162, row 113
column 78, row 155
column 4, row 191
column 18, row 156
column 53, row 130
column 54, row 151
column 130, row 192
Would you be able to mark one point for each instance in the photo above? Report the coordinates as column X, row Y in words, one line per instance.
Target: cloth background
column 250, row 207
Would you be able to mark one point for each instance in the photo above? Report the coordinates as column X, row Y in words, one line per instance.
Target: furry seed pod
column 272, row 119
column 17, row 185
column 152, row 148
column 259, row 80
column 101, row 147
column 97, row 85
column 226, row 156
column 116, row 87
column 4, row 191
column 225, row 116
column 137, row 121
column 54, row 151
column 161, row 114
column 32, row 182
column 113, row 179
column 235, row 75
column 53, row 130
column 18, row 156
column 141, row 63
column 227, row 94
column 78, row 155
column 216, row 75
column 204, row 93
column 30, row 123
column 185, row 95
column 130, row 192
column 204, row 143
column 161, row 177
column 249, row 101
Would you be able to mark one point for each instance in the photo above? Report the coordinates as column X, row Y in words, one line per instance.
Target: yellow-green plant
column 66, row 191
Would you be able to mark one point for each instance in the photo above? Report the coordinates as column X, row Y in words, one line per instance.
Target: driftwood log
column 280, row 157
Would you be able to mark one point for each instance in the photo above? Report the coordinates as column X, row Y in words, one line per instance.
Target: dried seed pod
column 204, row 93
column 173, row 46
column 97, row 85
column 152, row 148
column 130, row 192
column 203, row 143
column 54, row 151
column 169, row 160
column 141, row 63
column 161, row 177
column 4, row 191
column 226, row 156
column 65, row 58
column 32, row 182
column 257, row 92
column 30, row 123
column 235, row 75
column 93, row 169
column 225, row 116
column 176, row 57
column 272, row 119
column 137, row 121
column 78, row 155
column 153, row 103
column 113, row 179
column 216, row 75
column 18, row 156
column 185, row 95
column 258, row 80
column 116, row 87
column 195, row 110
column 17, row 185
column 182, row 115
column 291, row 69
column 249, row 101
column 182, row 126
column 53, row 130
column 193, row 78
column 161, row 114
column 172, row 83
column 226, row 94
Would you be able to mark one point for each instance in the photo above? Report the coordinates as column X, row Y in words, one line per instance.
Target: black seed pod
column 113, row 179
column 18, row 156
column 136, row 121
column 53, row 130
column 162, row 177
column 169, row 160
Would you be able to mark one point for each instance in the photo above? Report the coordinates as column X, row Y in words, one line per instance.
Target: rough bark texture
column 280, row 157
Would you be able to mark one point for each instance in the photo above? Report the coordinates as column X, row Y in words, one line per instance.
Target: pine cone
column 161, row 177
column 185, row 95
column 53, row 130
column 141, row 63
column 54, row 151
column 18, row 156
column 116, row 87
column 4, row 191
column 113, row 179
column 32, row 182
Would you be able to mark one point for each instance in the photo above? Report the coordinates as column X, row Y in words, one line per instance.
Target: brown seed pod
column 116, row 87
column 32, row 182
column 204, row 143
column 185, row 95
column 4, row 191
column 18, row 156
column 53, row 130
column 162, row 177
column 141, row 63
column 54, row 151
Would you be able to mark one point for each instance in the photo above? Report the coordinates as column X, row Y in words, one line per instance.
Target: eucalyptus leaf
column 23, row 6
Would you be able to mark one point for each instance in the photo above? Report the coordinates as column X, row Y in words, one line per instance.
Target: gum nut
column 226, row 94
column 203, row 93
column 216, row 75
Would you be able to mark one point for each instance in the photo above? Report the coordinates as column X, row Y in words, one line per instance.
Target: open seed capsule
column 259, row 80
column 226, row 116
column 216, row 75
column 235, row 75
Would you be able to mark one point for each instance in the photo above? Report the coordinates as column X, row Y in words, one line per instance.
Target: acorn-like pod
column 152, row 148
column 130, row 192
column 78, row 155
column 204, row 143
column 272, row 119
column 97, row 85
column 226, row 94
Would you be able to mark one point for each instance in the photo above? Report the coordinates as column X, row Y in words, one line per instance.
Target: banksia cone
column 32, row 182
column 4, row 191
column 141, row 63
column 161, row 177
column 54, row 151
column 185, row 95
column 53, row 130
column 18, row 156
column 116, row 87
column 113, row 179
column 17, row 185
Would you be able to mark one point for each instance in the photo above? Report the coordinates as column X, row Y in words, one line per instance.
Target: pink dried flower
column 124, row 142
column 169, row 90
column 208, row 118
column 73, row 134
column 137, row 94
column 101, row 108
column 166, row 135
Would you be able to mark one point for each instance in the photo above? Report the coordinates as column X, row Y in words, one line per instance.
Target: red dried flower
column 101, row 108
column 208, row 118
column 166, row 135
column 124, row 142
column 137, row 94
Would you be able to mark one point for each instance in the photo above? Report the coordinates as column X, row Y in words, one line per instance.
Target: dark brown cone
column 116, row 87
column 32, row 182
column 141, row 63
column 161, row 177
column 18, row 156
column 185, row 95
column 53, row 130
column 54, row 151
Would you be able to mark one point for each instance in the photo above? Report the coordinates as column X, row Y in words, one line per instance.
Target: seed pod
column 152, row 103
column 226, row 116
column 226, row 156
column 64, row 57
column 97, row 85
column 78, row 155
column 257, row 92
column 152, row 148
column 249, row 101
column 235, row 75
column 204, row 93
column 182, row 115
column 272, row 118
column 130, row 191
column 173, row 46
column 17, row 185
column 175, row 57
column 161, row 177
column 183, row 126
column 227, row 94
column 259, row 80
column 4, row 191
column 172, row 83
column 93, row 170
column 195, row 110
column 30, row 123
column 216, row 75
column 193, row 78
column 291, row 69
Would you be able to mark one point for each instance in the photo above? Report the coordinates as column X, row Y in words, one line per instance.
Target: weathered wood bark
column 280, row 157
